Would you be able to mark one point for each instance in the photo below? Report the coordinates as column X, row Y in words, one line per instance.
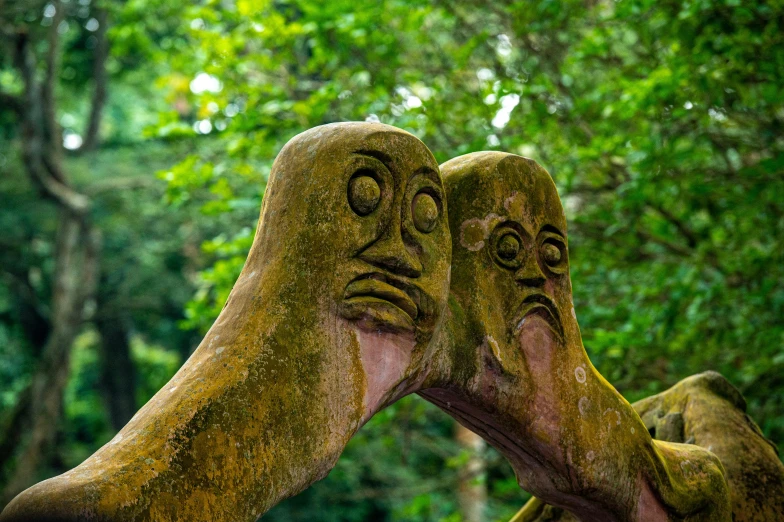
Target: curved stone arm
column 708, row 411
column 537, row 510
column 332, row 319
column 329, row 321
column 515, row 370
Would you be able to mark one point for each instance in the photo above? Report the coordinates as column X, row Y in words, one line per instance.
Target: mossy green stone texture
column 712, row 414
column 329, row 321
column 707, row 410
column 346, row 304
column 515, row 371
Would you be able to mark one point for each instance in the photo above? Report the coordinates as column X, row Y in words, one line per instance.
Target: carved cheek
column 435, row 258
column 361, row 231
column 562, row 292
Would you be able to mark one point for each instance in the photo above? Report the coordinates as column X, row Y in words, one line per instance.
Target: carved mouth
column 380, row 288
column 538, row 305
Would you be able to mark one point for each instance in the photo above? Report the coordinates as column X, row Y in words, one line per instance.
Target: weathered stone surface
column 513, row 367
column 339, row 311
column 329, row 321
column 713, row 414
column 707, row 410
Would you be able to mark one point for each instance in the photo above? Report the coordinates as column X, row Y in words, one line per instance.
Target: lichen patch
column 473, row 234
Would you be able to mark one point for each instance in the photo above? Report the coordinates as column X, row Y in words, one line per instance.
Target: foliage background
column 660, row 121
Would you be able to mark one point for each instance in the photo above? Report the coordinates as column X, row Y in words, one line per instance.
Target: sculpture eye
column 424, row 212
column 363, row 192
column 508, row 247
column 552, row 253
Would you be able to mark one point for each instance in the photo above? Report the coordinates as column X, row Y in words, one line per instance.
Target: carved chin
column 376, row 314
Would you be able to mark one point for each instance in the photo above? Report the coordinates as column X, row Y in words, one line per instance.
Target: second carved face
column 510, row 256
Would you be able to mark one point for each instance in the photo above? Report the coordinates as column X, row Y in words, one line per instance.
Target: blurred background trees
column 136, row 138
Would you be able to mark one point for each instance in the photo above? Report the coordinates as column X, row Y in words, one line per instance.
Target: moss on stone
column 516, row 370
column 282, row 380
column 707, row 410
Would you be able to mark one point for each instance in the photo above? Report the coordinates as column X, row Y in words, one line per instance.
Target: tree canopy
column 660, row 121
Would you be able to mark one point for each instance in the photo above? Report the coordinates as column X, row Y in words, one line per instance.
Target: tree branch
column 90, row 272
column 114, row 184
column 44, row 170
column 100, row 78
column 691, row 238
column 672, row 247
column 51, row 127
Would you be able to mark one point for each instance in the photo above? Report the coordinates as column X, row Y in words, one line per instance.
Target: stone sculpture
column 329, row 321
column 707, row 410
column 341, row 309
column 515, row 370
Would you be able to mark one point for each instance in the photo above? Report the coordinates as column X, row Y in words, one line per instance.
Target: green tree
column 661, row 123
column 58, row 276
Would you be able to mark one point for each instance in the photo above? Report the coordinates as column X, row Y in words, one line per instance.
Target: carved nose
column 391, row 254
column 530, row 274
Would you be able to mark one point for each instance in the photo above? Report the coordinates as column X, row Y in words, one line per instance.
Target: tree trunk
column 118, row 375
column 472, row 488
column 101, row 82
column 76, row 264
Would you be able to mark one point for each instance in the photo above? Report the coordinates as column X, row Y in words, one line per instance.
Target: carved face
column 398, row 211
column 344, row 284
column 510, row 264
column 369, row 202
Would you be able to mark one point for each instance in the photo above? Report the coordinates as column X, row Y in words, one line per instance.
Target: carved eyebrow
column 380, row 156
column 387, row 161
column 552, row 229
column 429, row 173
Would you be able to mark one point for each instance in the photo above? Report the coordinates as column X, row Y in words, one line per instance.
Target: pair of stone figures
column 361, row 288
